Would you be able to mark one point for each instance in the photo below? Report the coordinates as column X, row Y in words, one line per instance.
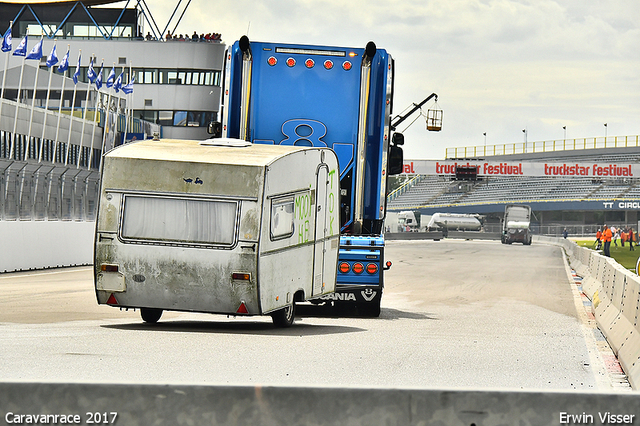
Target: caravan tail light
column 291, row 62
column 309, row 63
column 272, row 60
column 241, row 276
column 328, row 64
column 344, row 267
column 358, row 268
column 372, row 268
column 347, row 65
column 108, row 268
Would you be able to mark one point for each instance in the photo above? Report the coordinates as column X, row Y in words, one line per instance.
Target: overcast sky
column 498, row 66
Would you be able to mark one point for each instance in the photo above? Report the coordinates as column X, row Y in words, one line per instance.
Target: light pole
column 605, row 133
column 565, row 132
column 525, row 139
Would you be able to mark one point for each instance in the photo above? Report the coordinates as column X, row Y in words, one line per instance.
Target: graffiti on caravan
column 523, row 168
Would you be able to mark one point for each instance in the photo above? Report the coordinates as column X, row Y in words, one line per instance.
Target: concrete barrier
column 615, row 295
column 34, row 244
column 176, row 405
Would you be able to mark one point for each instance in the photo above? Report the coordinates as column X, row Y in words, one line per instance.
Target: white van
column 221, row 226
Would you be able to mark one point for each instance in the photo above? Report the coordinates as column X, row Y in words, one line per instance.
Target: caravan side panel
column 300, row 231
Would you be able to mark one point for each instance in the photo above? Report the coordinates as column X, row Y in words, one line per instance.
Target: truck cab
column 515, row 225
column 330, row 97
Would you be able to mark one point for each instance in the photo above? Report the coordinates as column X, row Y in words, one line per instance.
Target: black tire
column 150, row 315
column 284, row 317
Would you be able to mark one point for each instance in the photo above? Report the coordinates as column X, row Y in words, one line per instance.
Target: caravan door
column 321, row 231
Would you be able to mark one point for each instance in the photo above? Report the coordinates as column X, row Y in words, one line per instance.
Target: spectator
column 598, row 241
column 149, row 36
column 565, row 234
column 606, row 236
column 631, row 239
column 168, row 37
column 195, row 37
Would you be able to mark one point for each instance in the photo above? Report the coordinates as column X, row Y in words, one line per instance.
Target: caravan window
column 281, row 217
column 179, row 220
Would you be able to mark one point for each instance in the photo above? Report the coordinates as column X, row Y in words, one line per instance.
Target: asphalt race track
column 455, row 314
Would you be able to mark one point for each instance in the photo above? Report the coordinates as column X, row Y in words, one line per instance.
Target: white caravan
column 221, row 226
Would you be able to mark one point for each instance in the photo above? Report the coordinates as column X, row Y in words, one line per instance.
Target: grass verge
column 625, row 257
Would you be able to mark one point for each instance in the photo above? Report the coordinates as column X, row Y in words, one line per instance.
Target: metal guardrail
column 543, row 146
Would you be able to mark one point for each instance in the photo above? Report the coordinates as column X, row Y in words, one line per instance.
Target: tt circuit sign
column 520, row 168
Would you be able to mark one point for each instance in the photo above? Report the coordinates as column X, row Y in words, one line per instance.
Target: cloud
column 497, row 65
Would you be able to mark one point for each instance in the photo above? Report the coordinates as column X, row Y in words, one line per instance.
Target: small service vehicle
column 515, row 225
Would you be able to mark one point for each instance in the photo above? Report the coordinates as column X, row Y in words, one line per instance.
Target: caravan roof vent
column 236, row 143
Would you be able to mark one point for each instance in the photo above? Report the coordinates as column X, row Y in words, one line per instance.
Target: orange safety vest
column 607, row 235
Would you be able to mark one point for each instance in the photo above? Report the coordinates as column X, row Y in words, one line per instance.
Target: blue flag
column 99, row 78
column 22, row 48
column 112, row 77
column 118, row 83
column 36, row 52
column 129, row 87
column 53, row 58
column 6, row 41
column 91, row 74
column 77, row 73
column 64, row 64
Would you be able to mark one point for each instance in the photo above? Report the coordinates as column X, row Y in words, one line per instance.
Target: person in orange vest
column 598, row 242
column 606, row 237
column 631, row 239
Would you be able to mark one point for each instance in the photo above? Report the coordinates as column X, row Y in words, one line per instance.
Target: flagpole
column 4, row 75
column 33, row 104
column 73, row 105
column 84, row 117
column 126, row 115
column 93, row 132
column 64, row 80
column 46, row 104
column 106, row 113
column 15, row 119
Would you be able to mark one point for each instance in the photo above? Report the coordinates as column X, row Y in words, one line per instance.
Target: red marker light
column 242, row 309
column 291, row 62
column 347, row 66
column 372, row 268
column 328, row 64
column 309, row 63
column 272, row 60
column 344, row 267
column 358, row 268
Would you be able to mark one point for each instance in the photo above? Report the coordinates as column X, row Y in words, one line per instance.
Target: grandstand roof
column 45, row 2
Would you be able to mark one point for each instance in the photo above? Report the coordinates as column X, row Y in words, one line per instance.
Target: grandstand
column 579, row 203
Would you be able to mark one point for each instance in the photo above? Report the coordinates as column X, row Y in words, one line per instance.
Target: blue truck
column 322, row 96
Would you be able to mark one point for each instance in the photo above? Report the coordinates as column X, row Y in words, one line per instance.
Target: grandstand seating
column 445, row 191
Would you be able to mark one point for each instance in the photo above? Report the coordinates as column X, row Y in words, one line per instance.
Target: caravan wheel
column 285, row 316
column 150, row 315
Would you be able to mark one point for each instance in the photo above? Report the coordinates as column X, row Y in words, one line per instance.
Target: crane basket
column 434, row 118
